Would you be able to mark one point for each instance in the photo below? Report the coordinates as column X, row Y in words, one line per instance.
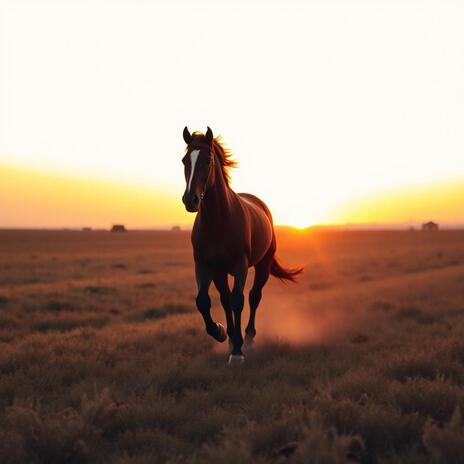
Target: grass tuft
column 32, row 434
column 319, row 445
column 445, row 445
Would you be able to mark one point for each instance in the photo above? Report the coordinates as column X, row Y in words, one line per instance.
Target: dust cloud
column 287, row 314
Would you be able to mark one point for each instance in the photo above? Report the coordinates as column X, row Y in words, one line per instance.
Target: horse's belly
column 224, row 258
column 217, row 262
column 261, row 229
column 261, row 238
column 259, row 248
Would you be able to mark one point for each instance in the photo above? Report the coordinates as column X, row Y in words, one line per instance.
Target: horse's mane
column 223, row 154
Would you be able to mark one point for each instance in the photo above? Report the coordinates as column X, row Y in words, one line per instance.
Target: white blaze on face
column 193, row 161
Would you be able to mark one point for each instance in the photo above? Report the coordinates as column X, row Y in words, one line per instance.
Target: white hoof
column 236, row 359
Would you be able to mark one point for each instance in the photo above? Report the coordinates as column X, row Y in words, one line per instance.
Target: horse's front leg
column 203, row 277
column 220, row 281
column 236, row 303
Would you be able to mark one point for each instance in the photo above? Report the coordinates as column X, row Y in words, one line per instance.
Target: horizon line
column 180, row 228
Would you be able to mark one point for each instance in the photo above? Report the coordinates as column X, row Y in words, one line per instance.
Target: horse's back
column 257, row 202
column 262, row 231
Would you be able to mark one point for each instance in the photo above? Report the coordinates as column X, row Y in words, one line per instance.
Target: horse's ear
column 209, row 136
column 187, row 136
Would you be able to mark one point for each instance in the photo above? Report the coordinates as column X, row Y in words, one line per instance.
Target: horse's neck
column 218, row 200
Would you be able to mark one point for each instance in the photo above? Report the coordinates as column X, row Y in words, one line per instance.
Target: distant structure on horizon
column 118, row 228
column 175, row 229
column 86, row 229
column 430, row 226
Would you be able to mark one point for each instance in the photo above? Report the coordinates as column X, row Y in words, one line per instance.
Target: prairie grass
column 103, row 357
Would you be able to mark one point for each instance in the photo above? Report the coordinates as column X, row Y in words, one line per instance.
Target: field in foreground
column 103, row 357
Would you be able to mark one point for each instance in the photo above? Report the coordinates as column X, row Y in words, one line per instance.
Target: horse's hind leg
column 220, row 281
column 236, row 302
column 262, row 271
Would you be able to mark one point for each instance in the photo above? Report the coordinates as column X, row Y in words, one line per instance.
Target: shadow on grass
column 57, row 306
column 99, row 290
column 121, row 266
column 415, row 314
column 158, row 312
column 65, row 324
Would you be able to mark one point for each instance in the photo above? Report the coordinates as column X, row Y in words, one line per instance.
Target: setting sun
column 299, row 223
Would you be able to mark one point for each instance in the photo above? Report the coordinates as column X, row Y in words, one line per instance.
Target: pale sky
column 322, row 103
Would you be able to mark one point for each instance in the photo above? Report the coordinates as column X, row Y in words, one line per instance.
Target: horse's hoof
column 249, row 337
column 249, row 342
column 221, row 335
column 236, row 359
column 250, row 333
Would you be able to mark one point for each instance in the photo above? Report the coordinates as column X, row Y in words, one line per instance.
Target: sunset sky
column 337, row 111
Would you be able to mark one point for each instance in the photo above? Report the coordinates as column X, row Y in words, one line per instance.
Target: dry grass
column 103, row 357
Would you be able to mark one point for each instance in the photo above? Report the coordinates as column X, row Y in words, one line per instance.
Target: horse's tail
column 284, row 273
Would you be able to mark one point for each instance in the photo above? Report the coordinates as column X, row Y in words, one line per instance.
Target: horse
column 231, row 233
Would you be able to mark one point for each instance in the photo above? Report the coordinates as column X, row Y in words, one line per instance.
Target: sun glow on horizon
column 332, row 117
column 300, row 223
column 31, row 198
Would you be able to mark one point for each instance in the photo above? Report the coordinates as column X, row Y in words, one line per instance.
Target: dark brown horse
column 231, row 233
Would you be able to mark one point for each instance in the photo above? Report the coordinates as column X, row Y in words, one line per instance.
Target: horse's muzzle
column 191, row 202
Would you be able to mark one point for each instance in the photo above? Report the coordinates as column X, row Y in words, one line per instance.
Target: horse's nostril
column 195, row 200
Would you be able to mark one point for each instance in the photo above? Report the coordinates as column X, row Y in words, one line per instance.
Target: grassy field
column 104, row 358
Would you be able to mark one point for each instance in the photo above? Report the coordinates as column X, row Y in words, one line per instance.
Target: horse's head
column 198, row 167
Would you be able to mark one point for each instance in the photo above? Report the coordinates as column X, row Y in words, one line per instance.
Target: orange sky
column 439, row 201
column 337, row 111
column 31, row 198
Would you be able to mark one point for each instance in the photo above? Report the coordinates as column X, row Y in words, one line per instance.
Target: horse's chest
column 216, row 252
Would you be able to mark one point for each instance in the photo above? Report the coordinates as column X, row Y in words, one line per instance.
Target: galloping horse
column 231, row 233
